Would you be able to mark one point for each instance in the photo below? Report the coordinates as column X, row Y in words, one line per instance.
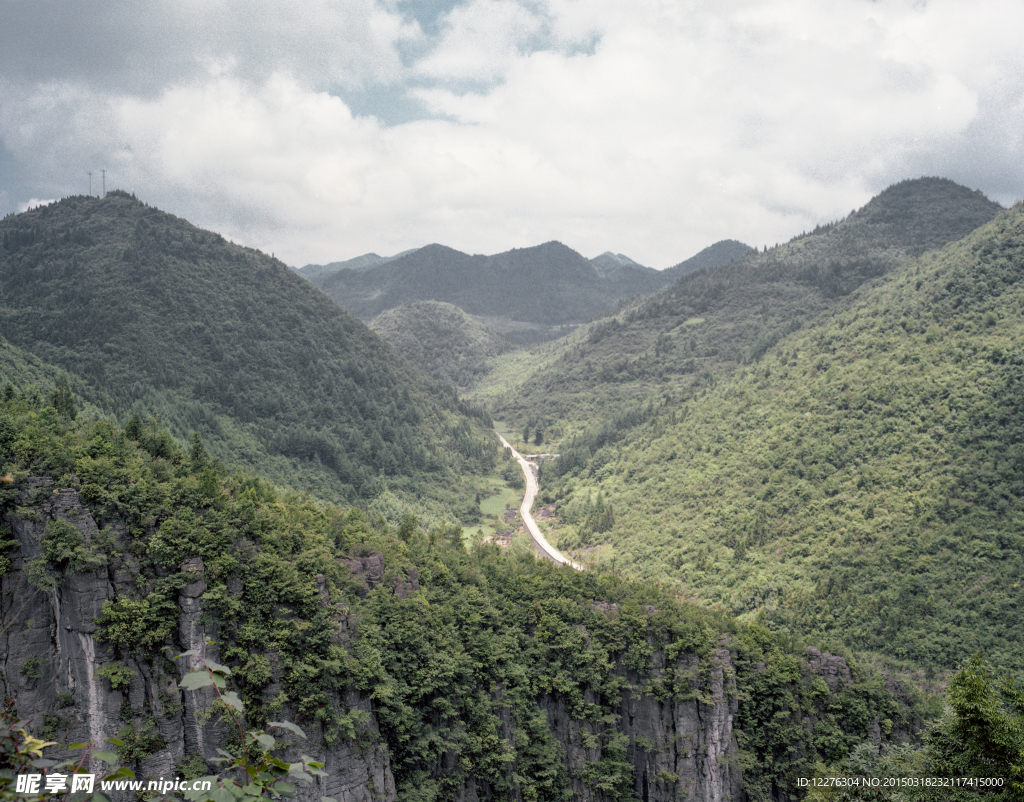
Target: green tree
column 982, row 733
column 62, row 399
column 198, row 458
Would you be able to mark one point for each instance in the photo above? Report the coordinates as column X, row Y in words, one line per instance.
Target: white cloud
column 32, row 204
column 683, row 124
column 480, row 41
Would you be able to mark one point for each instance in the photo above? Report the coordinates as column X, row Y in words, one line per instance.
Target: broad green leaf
column 288, row 726
column 189, row 653
column 231, row 698
column 217, row 667
column 265, row 740
column 194, row 680
column 107, row 757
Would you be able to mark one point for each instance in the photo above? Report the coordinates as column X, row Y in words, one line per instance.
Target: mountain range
column 794, row 476
column 149, row 314
column 526, row 294
column 822, row 437
column 711, row 320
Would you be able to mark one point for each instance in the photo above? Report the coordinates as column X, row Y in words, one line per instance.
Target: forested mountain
column 611, row 261
column 417, row 669
column 713, row 319
column 442, row 340
column 147, row 313
column 547, row 285
column 860, row 478
column 721, row 253
column 526, row 294
column 364, row 262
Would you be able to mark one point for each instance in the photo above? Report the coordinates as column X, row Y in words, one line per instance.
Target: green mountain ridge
column 442, row 340
column 148, row 313
column 713, row 319
column 526, row 294
column 862, row 478
column 547, row 284
column 721, row 253
column 364, row 262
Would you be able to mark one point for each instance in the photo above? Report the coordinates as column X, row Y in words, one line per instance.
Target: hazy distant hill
column 441, row 340
column 611, row 261
column 545, row 285
column 716, row 318
column 721, row 253
column 153, row 314
column 364, row 262
column 862, row 477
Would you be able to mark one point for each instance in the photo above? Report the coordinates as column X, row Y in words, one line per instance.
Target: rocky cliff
column 50, row 661
column 670, row 744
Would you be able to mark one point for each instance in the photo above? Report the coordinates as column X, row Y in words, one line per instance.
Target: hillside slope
column 417, row 670
column 711, row 320
column 548, row 284
column 442, row 340
column 154, row 315
column 862, row 479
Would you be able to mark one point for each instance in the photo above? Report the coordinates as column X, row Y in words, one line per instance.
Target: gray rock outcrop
column 50, row 659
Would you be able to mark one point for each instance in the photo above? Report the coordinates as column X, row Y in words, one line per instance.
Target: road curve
column 545, row 548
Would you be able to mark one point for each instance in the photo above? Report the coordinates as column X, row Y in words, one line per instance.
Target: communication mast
column 90, row 182
column 104, row 171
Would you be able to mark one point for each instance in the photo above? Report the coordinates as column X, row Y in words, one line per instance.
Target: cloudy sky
column 327, row 129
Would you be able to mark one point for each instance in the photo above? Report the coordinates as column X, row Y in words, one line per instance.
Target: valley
column 788, row 503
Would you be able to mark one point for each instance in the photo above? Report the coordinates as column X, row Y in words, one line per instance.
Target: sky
column 327, row 129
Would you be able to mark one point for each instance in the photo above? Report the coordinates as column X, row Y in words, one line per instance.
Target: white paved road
column 545, row 548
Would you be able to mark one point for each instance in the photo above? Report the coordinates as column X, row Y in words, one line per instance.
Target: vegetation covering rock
column 149, row 314
column 419, row 669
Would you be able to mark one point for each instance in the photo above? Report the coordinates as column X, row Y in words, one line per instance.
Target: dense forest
column 442, row 340
column 468, row 669
column 794, row 477
column 151, row 315
column 861, row 479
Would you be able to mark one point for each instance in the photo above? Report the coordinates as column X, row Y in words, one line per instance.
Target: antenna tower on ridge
column 104, row 171
column 90, row 182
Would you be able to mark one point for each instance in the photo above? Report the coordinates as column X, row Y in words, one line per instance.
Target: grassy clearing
column 473, row 535
column 495, row 504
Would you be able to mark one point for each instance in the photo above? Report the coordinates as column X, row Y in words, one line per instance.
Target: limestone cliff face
column 674, row 745
column 49, row 659
column 680, row 743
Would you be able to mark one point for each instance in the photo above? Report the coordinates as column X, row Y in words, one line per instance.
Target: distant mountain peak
column 722, row 252
column 926, row 212
column 609, row 261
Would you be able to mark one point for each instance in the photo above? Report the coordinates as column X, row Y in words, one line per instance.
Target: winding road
column 545, row 548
